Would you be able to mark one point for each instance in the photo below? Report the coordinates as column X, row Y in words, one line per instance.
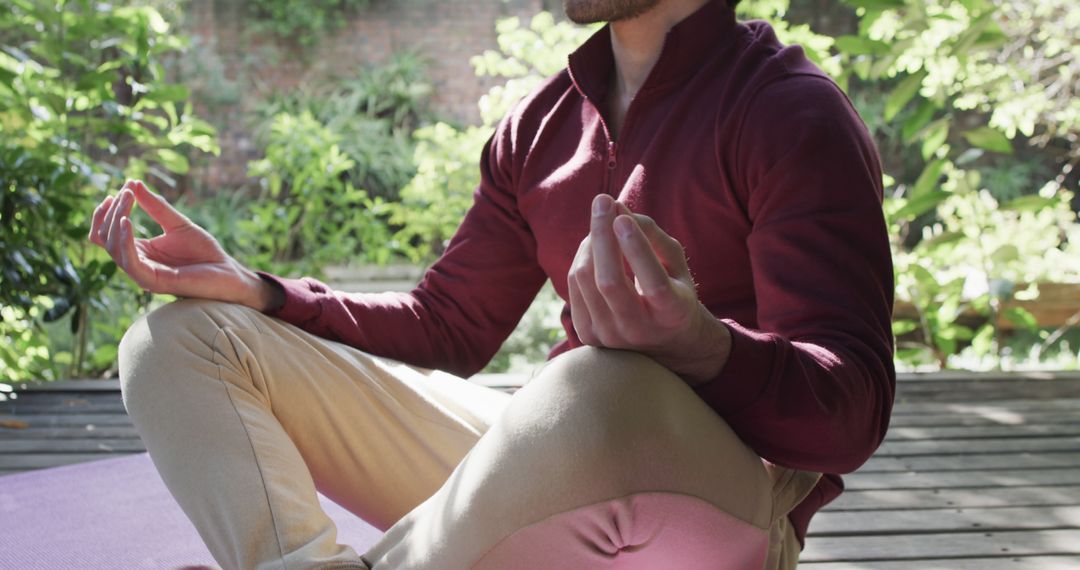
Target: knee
column 613, row 398
column 167, row 337
column 629, row 424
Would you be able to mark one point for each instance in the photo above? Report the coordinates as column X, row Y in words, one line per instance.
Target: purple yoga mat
column 113, row 513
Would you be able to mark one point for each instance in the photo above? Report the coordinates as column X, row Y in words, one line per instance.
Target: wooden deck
column 978, row 472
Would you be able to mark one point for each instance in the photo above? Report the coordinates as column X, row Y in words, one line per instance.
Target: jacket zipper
column 612, row 162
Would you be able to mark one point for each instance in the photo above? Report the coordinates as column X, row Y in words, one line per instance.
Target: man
column 708, row 204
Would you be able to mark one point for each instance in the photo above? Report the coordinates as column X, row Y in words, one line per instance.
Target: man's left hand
column 653, row 309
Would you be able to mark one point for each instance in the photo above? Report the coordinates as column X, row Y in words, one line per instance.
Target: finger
column 651, row 275
column 612, row 281
column 106, row 223
column 140, row 272
column 158, row 208
column 98, row 219
column 592, row 309
column 120, row 209
column 121, row 251
column 579, row 315
column 601, row 321
column 670, row 251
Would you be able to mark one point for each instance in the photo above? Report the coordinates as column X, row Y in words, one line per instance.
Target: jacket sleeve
column 467, row 302
column 810, row 384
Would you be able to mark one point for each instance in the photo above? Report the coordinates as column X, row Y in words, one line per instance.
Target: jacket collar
column 686, row 47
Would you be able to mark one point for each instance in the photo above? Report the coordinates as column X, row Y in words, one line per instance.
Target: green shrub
column 972, row 225
column 309, row 214
column 83, row 105
column 303, row 20
column 373, row 116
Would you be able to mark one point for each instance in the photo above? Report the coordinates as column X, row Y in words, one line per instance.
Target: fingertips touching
column 128, row 254
column 112, row 222
column 98, row 219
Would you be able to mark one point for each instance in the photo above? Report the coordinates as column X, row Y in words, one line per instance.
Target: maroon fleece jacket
column 747, row 154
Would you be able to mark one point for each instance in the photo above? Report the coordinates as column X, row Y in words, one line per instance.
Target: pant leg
column 245, row 416
column 604, row 460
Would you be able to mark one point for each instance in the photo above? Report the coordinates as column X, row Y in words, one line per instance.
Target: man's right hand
column 185, row 260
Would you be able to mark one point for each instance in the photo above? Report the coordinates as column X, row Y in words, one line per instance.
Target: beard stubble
column 592, row 11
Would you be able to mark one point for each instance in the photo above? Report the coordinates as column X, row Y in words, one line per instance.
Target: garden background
column 307, row 136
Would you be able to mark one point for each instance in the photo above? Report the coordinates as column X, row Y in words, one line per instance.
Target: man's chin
column 594, row 11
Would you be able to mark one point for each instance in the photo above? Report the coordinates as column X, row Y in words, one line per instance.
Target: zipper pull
column 611, row 155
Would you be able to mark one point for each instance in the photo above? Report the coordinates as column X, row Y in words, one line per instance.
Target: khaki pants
column 246, row 416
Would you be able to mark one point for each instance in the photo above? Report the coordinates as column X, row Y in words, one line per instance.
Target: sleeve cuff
column 302, row 298
column 748, row 370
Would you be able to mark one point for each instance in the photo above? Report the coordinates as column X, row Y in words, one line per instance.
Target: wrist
column 713, row 348
column 257, row 293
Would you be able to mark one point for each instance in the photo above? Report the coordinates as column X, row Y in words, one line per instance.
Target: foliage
column 950, row 106
column 373, row 116
column 433, row 203
column 309, row 214
column 1013, row 60
column 975, row 260
column 334, row 157
column 533, row 337
column 306, row 21
column 83, row 105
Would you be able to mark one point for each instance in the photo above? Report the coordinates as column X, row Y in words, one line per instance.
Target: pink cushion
column 644, row 530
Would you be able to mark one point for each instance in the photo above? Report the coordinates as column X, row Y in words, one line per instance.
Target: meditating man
column 708, row 204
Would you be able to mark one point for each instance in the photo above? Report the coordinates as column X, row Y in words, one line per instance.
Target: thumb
column 168, row 217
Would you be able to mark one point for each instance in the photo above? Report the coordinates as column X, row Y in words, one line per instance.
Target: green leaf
column 918, row 120
column 940, row 240
column 968, row 156
column 990, row 139
column 172, row 160
column 903, row 326
column 859, row 45
column 913, row 355
column 61, row 306
column 919, row 205
column 974, row 5
column 983, row 341
column 963, row 43
column 1005, row 254
column 936, row 134
column 924, row 278
column 903, row 93
column 929, row 179
column 1021, row 317
column 946, row 344
column 167, row 92
column 875, row 4
column 1030, row 203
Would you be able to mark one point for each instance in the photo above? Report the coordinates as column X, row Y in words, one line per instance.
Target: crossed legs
column 245, row 416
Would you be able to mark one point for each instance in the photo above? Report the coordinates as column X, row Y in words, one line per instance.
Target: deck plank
column 984, row 497
column 986, row 461
column 913, row 433
column 978, row 446
column 1056, row 476
column 999, row 563
column 941, row 545
column 854, row 523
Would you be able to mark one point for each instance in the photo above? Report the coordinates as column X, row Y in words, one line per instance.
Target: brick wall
column 446, row 32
